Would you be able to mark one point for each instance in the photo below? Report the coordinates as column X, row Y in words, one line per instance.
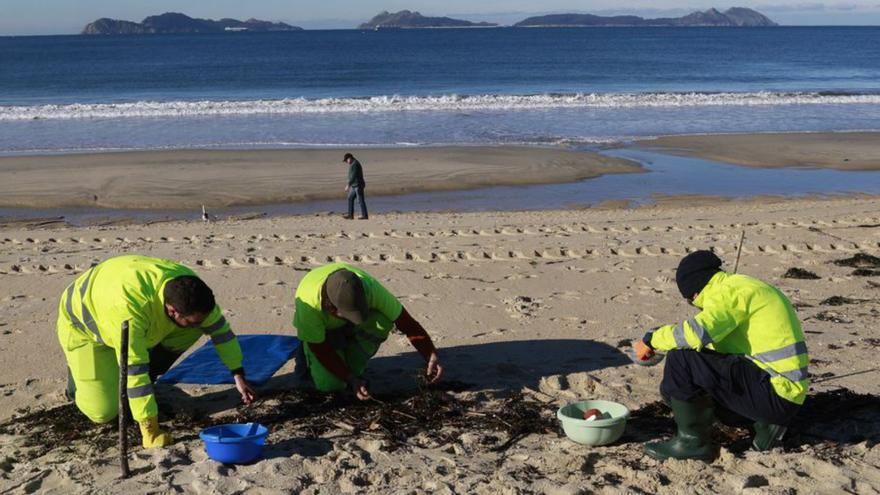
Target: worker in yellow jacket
column 342, row 316
column 742, row 358
column 167, row 308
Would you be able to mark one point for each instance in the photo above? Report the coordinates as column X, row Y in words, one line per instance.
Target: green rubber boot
column 694, row 437
column 767, row 436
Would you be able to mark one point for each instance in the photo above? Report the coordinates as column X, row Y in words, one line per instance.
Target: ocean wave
column 447, row 103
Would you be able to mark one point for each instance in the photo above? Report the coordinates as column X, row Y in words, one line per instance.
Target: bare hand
column 244, row 388
column 434, row 370
column 359, row 387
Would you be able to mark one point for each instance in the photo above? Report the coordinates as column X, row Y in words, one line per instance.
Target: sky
column 40, row 17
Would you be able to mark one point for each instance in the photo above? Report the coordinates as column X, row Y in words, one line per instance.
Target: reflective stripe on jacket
column 745, row 316
column 132, row 288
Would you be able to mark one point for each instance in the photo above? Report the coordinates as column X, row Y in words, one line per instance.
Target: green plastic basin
column 598, row 431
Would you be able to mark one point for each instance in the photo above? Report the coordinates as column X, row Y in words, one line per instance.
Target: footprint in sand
column 497, row 331
column 523, row 306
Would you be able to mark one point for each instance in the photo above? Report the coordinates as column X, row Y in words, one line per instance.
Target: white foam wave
column 448, row 103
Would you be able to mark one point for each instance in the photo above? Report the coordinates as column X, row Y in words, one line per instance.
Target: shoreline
column 143, row 186
column 186, row 179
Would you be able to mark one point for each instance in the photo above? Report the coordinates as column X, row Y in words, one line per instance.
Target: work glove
column 643, row 352
column 152, row 435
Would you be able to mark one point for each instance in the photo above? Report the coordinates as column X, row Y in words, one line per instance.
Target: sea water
column 416, row 87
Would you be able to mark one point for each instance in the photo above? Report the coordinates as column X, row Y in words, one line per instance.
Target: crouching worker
column 168, row 308
column 342, row 316
column 742, row 359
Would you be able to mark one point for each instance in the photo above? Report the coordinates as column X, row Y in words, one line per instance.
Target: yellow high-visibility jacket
column 745, row 316
column 311, row 322
column 132, row 288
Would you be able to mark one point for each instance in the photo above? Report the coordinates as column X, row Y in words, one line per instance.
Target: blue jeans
column 357, row 192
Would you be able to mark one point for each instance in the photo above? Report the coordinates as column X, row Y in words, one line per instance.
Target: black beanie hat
column 694, row 272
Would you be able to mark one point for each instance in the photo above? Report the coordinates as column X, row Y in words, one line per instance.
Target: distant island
column 406, row 19
column 175, row 23
column 733, row 17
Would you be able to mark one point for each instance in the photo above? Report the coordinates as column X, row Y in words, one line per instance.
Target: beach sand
column 190, row 178
column 543, row 303
column 837, row 150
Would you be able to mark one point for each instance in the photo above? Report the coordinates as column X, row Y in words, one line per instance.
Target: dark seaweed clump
column 859, row 260
column 801, row 274
column 865, row 272
column 831, row 316
column 841, row 300
column 829, row 420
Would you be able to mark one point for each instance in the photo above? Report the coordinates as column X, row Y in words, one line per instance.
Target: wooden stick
column 343, row 425
column 123, row 401
column 742, row 236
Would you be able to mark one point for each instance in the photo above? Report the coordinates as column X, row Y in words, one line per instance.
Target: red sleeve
column 328, row 357
column 417, row 335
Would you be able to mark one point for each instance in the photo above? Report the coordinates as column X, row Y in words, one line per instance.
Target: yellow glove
column 152, row 435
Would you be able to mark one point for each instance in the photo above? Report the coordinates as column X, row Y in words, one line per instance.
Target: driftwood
column 123, row 401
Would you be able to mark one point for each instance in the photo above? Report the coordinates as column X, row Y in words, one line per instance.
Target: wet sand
column 837, row 150
column 190, row 178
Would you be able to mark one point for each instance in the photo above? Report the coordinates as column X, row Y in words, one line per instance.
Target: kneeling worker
column 744, row 353
column 342, row 316
column 168, row 308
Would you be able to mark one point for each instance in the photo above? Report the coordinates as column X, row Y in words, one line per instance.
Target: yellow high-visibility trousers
column 94, row 370
column 94, row 367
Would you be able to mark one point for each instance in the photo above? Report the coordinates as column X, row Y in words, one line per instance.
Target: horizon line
column 498, row 26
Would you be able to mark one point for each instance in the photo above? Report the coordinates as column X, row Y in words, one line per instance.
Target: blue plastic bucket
column 234, row 443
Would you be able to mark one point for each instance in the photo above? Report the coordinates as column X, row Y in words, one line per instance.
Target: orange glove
column 643, row 352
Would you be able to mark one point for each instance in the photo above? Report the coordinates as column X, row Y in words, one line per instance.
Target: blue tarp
column 263, row 356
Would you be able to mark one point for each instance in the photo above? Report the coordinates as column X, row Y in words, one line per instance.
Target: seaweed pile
column 828, row 421
column 434, row 415
column 841, row 300
column 801, row 274
column 865, row 265
column 431, row 416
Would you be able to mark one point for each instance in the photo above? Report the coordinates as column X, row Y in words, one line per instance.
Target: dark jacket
column 356, row 175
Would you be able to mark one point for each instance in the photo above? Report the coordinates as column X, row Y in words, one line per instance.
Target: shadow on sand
column 496, row 367
column 501, row 366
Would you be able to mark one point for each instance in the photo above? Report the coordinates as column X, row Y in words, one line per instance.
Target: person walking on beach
column 355, row 187
column 742, row 358
column 167, row 308
column 342, row 316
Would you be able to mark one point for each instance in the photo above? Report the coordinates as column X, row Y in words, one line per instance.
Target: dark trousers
column 357, row 192
column 737, row 386
column 161, row 360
